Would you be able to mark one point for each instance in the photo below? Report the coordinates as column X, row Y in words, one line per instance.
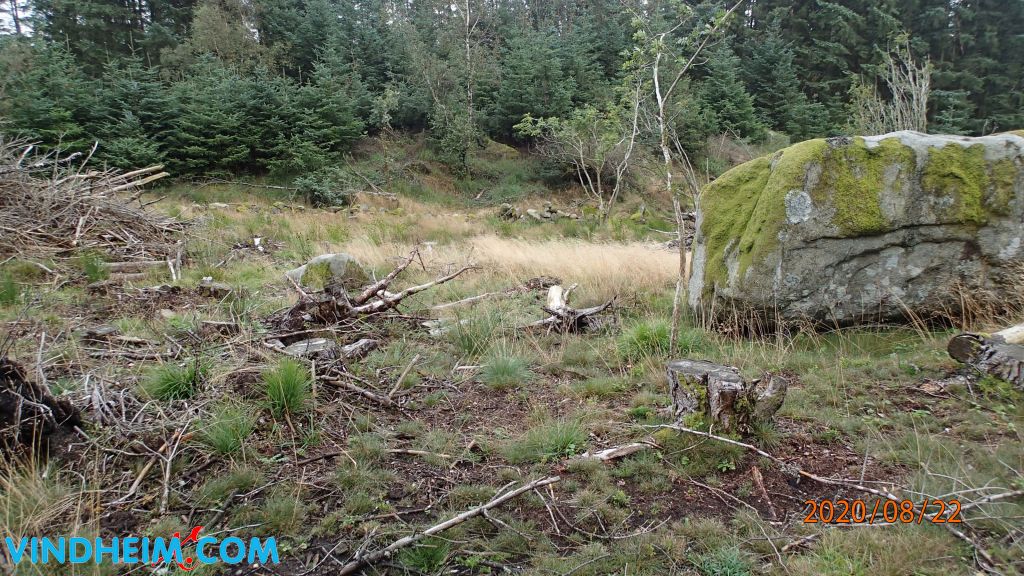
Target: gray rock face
column 326, row 269
column 851, row 230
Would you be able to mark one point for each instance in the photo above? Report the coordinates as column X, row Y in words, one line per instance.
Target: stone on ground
column 856, row 230
column 340, row 268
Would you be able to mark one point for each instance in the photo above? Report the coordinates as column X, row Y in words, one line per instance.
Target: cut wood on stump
column 1000, row 354
column 565, row 318
column 726, row 399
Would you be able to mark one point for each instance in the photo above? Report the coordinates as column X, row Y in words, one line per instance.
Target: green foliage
column 644, row 340
column 9, row 289
column 93, row 266
column 602, row 387
column 428, row 556
column 533, row 81
column 725, row 95
column 505, row 371
column 285, row 88
column 723, row 562
column 548, row 440
column 772, row 76
column 287, row 387
column 472, row 336
column 175, row 381
column 322, row 189
column 227, row 429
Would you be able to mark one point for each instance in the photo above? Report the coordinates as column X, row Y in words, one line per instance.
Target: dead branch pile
column 335, row 304
column 564, row 318
column 50, row 205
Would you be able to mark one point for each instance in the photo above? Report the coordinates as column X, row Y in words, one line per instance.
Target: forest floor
column 483, row 407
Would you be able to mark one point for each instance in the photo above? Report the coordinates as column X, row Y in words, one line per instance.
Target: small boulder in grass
column 339, row 269
column 208, row 287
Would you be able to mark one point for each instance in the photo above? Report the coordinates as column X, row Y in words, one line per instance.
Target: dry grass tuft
column 602, row 270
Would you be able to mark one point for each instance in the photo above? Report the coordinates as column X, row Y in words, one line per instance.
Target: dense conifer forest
column 286, row 87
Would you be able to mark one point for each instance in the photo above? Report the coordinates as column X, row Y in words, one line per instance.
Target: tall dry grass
column 601, row 269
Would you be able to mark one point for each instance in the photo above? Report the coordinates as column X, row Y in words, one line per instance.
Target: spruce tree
column 725, row 95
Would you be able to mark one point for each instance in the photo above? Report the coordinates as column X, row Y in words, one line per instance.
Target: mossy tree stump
column 725, row 399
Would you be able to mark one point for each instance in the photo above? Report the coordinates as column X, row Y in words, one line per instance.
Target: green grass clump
column 9, row 290
column 287, row 386
column 723, row 562
column 472, row 336
column 237, row 479
column 602, row 387
column 282, row 513
column 93, row 266
column 227, row 429
column 505, row 371
column 547, row 441
column 428, row 557
column 644, row 340
column 175, row 381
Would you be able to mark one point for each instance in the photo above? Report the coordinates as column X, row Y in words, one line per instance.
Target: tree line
column 289, row 86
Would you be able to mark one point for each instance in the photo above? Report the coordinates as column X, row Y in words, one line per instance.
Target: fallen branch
column 401, row 377
column 361, row 560
column 342, row 383
column 615, row 452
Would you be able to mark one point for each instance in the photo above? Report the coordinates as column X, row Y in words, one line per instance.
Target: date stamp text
column 881, row 511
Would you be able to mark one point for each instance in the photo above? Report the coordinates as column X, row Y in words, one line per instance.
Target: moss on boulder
column 340, row 269
column 769, row 230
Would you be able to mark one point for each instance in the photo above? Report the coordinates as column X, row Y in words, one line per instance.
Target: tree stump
column 1000, row 354
column 28, row 412
column 725, row 398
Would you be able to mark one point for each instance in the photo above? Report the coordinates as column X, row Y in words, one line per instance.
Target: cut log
column 1000, row 354
column 723, row 396
column 564, row 318
column 28, row 412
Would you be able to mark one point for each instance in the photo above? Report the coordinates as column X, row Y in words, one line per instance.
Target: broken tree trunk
column 28, row 412
column 1000, row 354
column 722, row 395
column 565, row 318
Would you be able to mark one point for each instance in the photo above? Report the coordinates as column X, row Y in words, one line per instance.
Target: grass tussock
column 504, row 371
column 287, row 387
column 644, row 340
column 32, row 499
column 227, row 429
column 175, row 381
column 548, row 440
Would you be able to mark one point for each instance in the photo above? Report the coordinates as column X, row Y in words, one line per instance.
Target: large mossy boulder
column 855, row 230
